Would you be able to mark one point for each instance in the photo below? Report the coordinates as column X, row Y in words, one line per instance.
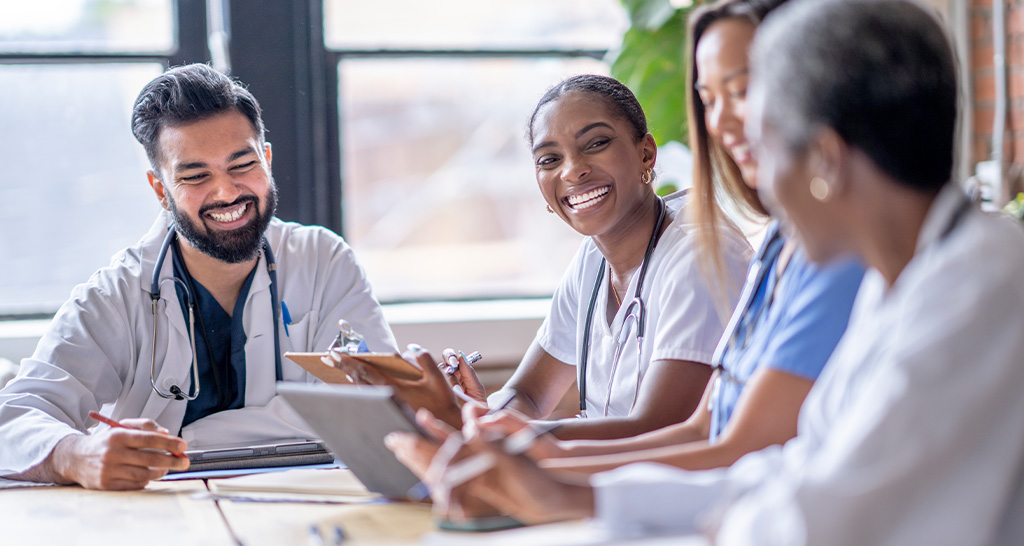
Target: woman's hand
column 415, row 451
column 463, row 375
column 431, row 390
column 505, row 423
column 470, row 477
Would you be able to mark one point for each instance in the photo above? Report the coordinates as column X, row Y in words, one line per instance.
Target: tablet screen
column 352, row 421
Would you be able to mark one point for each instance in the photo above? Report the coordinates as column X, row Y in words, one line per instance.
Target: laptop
column 352, row 421
column 250, row 455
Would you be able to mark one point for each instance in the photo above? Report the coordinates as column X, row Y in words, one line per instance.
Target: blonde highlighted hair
column 716, row 177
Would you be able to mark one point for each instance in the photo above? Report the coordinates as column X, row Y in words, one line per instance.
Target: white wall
column 501, row 330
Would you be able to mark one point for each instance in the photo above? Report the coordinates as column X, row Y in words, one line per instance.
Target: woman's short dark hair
column 616, row 95
column 186, row 94
column 881, row 73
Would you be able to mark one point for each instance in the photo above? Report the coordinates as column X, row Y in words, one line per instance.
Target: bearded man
column 181, row 337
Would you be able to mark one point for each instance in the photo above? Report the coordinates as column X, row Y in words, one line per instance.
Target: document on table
column 300, row 485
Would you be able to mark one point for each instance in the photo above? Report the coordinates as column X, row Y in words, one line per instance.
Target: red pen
column 110, row 422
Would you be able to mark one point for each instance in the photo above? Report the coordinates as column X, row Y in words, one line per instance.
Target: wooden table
column 182, row 513
column 175, row 514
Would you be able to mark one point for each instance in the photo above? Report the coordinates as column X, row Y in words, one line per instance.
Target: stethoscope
column 741, row 324
column 635, row 311
column 175, row 392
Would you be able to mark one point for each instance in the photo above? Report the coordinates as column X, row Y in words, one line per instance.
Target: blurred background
column 396, row 123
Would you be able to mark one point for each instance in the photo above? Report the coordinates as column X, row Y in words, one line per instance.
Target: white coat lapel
column 173, row 346
column 257, row 318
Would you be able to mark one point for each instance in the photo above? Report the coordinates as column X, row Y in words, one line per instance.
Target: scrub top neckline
column 627, row 298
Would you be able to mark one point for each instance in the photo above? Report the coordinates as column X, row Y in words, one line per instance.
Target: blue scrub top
column 795, row 331
column 223, row 385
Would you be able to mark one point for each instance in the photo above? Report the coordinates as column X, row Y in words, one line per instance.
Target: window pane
column 74, row 189
column 440, row 198
column 86, row 26
column 473, row 24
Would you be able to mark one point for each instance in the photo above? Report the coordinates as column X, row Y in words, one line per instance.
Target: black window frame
column 277, row 48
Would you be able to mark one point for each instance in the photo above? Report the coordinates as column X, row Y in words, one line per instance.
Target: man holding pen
column 180, row 339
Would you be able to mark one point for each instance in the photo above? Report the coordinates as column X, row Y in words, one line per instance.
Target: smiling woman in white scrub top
column 792, row 312
column 637, row 268
column 913, row 433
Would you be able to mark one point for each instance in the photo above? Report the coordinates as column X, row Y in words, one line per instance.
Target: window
column 74, row 190
column 414, row 110
column 87, row 26
column 439, row 195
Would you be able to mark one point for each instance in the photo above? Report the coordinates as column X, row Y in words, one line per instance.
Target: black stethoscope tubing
column 757, row 274
column 175, row 392
column 641, row 316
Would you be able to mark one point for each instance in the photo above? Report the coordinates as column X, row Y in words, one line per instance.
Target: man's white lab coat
column 98, row 349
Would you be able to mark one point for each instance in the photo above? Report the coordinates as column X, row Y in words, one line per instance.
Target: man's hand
column 116, row 458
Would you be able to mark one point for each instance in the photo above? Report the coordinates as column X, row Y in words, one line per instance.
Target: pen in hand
column 453, row 361
column 514, row 444
column 96, row 416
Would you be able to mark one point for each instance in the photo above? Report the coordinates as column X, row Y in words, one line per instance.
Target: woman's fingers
column 411, row 450
column 419, row 356
column 360, row 372
column 437, row 429
column 458, row 372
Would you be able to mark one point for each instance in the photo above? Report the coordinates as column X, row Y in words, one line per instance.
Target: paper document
column 333, row 481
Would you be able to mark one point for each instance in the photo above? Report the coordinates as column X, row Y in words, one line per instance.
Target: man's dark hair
column 617, row 96
column 187, row 94
column 881, row 73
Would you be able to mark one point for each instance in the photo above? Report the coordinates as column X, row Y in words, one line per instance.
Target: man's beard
column 235, row 246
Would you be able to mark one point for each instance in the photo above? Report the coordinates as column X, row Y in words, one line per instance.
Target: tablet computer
column 353, row 421
column 248, row 455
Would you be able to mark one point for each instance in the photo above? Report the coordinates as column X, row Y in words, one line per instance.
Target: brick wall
column 984, row 87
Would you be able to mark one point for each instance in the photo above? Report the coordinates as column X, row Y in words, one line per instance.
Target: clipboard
column 387, row 363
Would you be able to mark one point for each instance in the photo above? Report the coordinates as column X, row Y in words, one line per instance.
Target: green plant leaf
column 648, row 14
column 651, row 63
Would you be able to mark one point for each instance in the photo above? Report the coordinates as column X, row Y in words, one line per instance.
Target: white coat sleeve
column 653, row 499
column 79, row 365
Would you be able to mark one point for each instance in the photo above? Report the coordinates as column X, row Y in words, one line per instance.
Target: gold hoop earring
column 550, row 210
column 820, row 189
column 647, row 176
